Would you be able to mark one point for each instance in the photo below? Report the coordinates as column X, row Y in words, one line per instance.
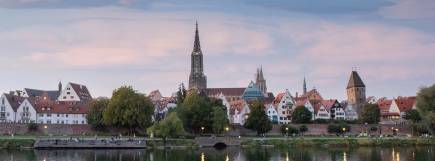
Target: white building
column 284, row 103
column 9, row 104
column 239, row 112
column 272, row 113
column 321, row 112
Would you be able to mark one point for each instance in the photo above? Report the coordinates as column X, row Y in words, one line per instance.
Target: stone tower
column 356, row 92
column 260, row 81
column 197, row 79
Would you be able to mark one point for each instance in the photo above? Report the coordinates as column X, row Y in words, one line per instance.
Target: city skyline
column 147, row 44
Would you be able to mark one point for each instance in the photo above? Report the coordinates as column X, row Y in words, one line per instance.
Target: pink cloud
column 410, row 9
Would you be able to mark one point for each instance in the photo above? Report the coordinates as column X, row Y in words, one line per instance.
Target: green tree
column 196, row 112
column 32, row 127
column 181, row 94
column 95, row 114
column 220, row 120
column 426, row 106
column 371, row 114
column 128, row 109
column 301, row 115
column 258, row 119
column 170, row 127
column 303, row 128
column 288, row 129
column 413, row 115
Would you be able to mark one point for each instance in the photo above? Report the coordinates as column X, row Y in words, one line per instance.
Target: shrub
column 373, row 128
column 32, row 127
column 338, row 128
column 291, row 130
column 303, row 128
column 321, row 121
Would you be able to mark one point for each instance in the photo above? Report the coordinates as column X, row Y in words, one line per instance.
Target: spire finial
column 196, row 45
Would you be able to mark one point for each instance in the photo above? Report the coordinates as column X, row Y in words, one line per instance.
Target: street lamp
column 202, row 130
column 226, row 130
column 344, row 130
column 286, row 129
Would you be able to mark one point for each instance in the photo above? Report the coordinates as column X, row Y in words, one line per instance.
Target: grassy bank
column 16, row 143
column 338, row 142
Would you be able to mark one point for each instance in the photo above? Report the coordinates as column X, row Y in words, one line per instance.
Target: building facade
column 356, row 92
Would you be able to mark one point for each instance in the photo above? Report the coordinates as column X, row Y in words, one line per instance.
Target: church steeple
column 304, row 88
column 260, row 81
column 197, row 78
column 196, row 44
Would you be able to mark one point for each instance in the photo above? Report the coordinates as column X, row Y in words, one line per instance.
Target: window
column 68, row 93
column 49, row 115
column 58, row 115
column 68, row 88
column 3, row 101
column 66, row 115
column 72, row 97
column 48, row 121
column 64, row 97
column 41, row 115
column 283, row 112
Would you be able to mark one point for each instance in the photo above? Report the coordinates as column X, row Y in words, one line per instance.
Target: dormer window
column 48, row 108
column 43, row 108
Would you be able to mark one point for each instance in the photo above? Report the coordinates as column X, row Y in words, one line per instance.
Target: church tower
column 197, row 79
column 304, row 88
column 356, row 91
column 260, row 81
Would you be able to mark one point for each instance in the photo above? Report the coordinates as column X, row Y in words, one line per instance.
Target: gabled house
column 9, row 104
column 321, row 112
column 239, row 112
column 284, row 104
column 75, row 92
column 272, row 113
column 336, row 110
column 26, row 112
column 303, row 101
column 350, row 112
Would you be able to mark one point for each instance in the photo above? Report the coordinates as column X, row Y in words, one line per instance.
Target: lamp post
column 202, row 130
column 344, row 130
column 226, row 130
column 286, row 129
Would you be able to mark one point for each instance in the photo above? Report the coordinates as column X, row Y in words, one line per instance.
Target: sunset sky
column 147, row 44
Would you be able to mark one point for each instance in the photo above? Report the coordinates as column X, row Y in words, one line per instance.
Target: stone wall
column 55, row 129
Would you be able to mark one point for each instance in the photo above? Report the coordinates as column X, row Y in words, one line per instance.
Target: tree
column 95, row 114
column 303, row 129
column 220, row 120
column 426, row 106
column 128, row 109
column 171, row 127
column 287, row 129
column 371, row 114
column 258, row 119
column 338, row 128
column 301, row 115
column 181, row 94
column 32, row 127
column 413, row 115
column 196, row 112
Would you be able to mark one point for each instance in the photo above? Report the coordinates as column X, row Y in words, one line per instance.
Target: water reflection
column 229, row 154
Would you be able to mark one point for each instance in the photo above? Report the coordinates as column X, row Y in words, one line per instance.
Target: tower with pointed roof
column 356, row 91
column 304, row 88
column 260, row 81
column 197, row 78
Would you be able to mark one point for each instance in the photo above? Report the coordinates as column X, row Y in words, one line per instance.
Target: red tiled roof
column 328, row 103
column 278, row 98
column 384, row 105
column 62, row 107
column 226, row 91
column 237, row 105
column 82, row 91
column 405, row 103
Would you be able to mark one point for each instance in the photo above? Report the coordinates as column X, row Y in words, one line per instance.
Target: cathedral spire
column 304, row 88
column 196, row 45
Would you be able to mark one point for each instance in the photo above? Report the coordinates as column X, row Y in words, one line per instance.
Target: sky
column 105, row 44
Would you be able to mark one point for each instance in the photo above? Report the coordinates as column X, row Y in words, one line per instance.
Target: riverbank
column 337, row 142
column 28, row 143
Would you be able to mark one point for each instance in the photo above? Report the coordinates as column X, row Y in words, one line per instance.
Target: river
column 422, row 153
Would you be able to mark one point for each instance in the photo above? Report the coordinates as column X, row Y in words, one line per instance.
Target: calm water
column 229, row 154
